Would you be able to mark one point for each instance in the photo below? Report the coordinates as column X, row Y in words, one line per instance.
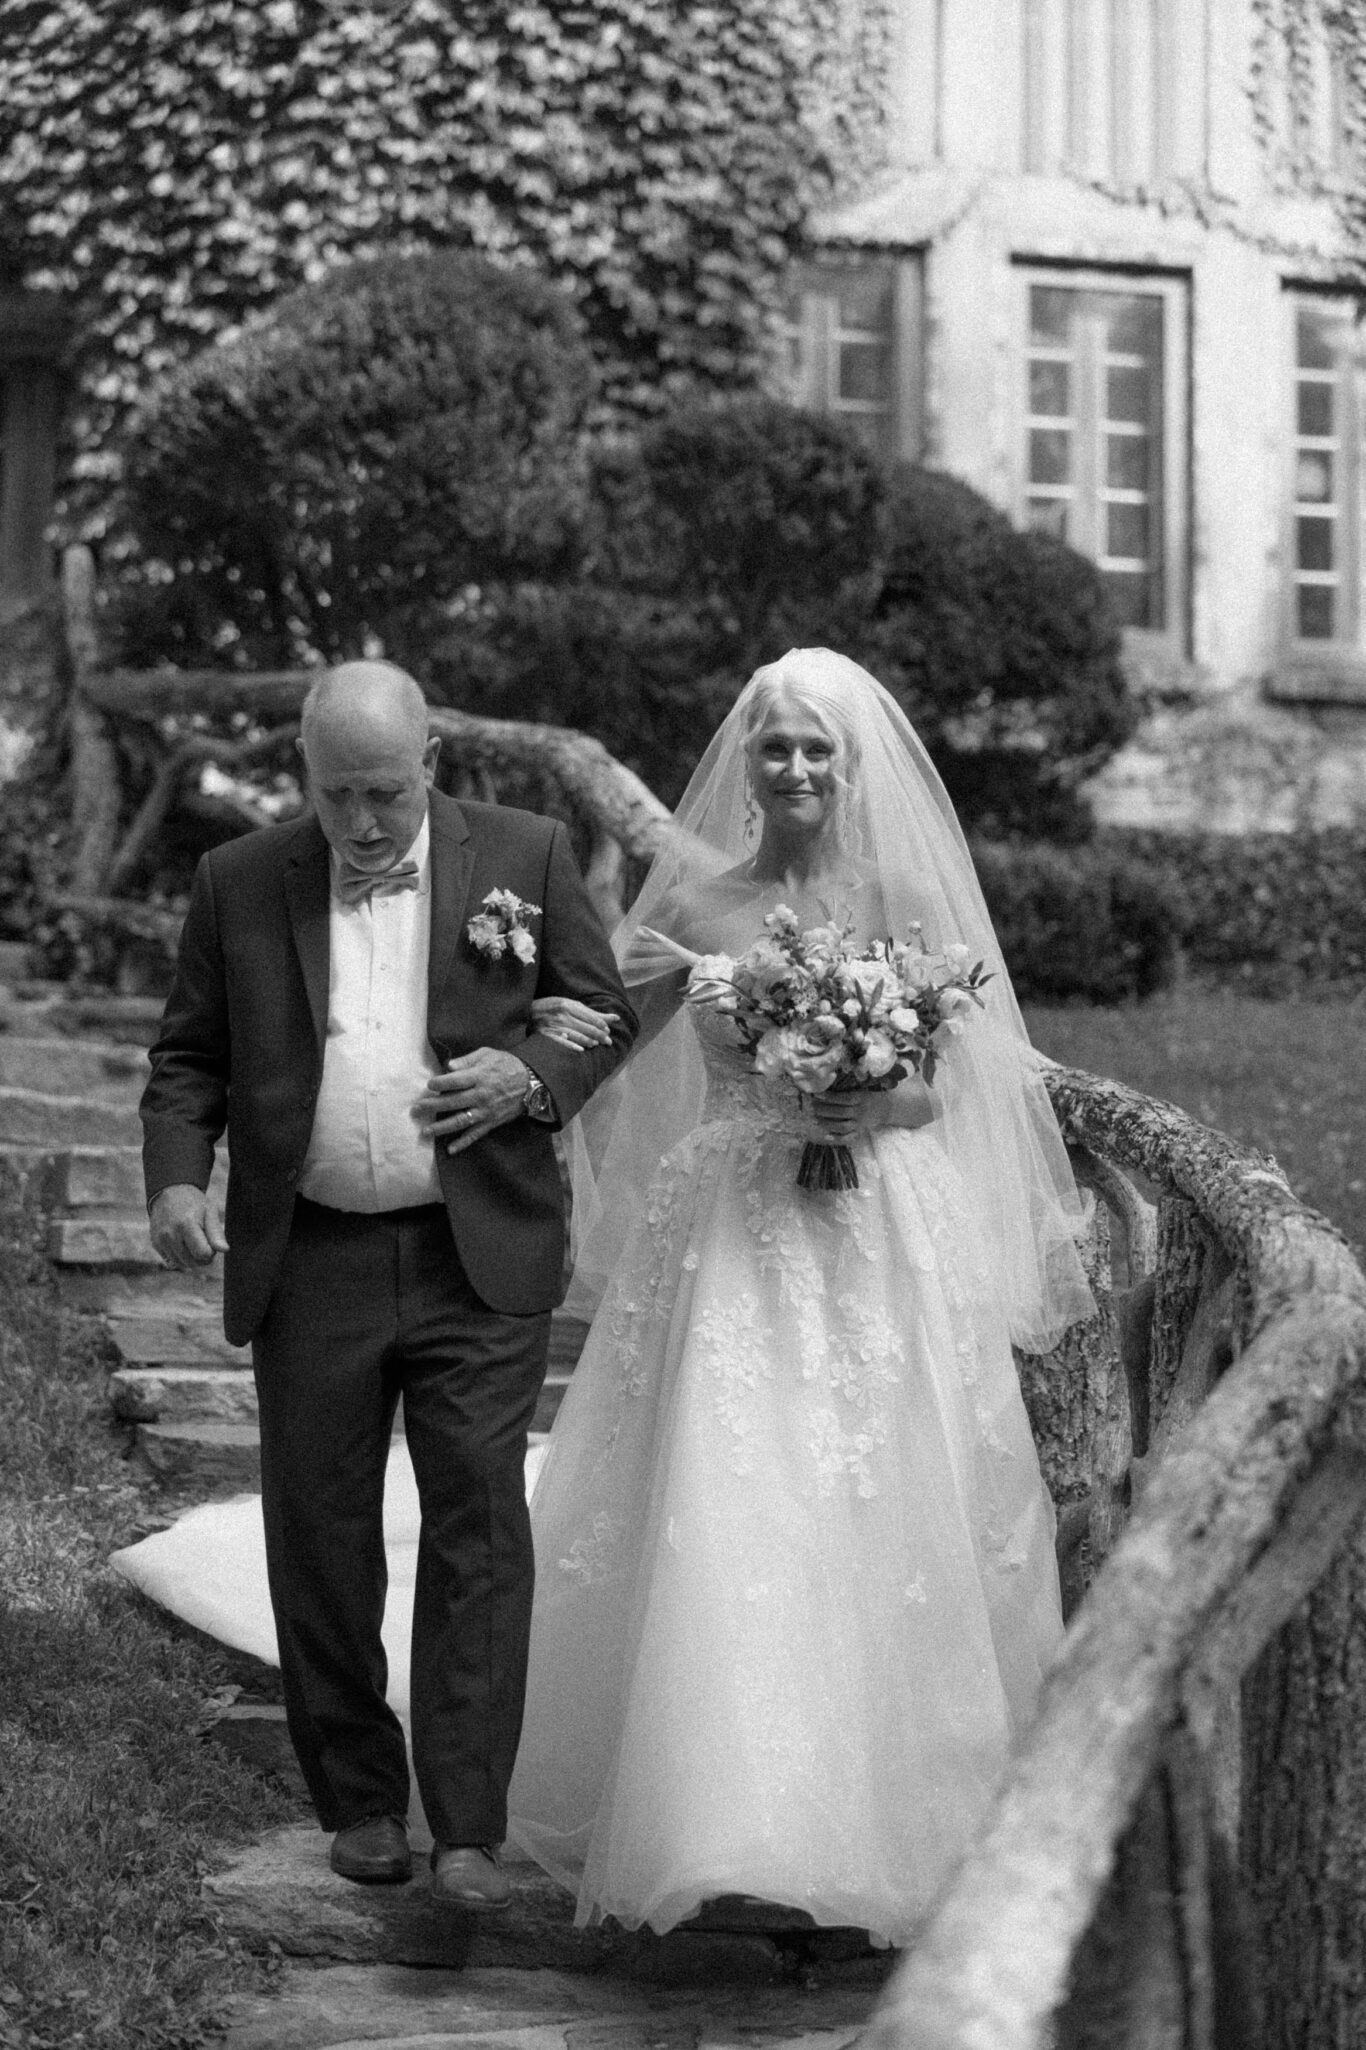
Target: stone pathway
column 395, row 2007
column 385, row 1966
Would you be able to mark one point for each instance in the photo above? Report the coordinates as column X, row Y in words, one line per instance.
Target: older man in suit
column 357, row 1016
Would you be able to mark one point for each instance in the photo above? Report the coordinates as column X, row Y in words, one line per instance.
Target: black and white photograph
column 683, row 1025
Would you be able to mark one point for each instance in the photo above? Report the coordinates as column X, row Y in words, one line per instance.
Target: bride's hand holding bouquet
column 816, row 1011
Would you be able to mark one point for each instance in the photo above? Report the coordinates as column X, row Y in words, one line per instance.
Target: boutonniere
column 500, row 928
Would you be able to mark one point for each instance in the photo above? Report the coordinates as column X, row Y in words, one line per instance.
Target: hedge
column 1272, row 911
column 1086, row 925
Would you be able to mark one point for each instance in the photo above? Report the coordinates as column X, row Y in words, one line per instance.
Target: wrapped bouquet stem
column 816, row 1011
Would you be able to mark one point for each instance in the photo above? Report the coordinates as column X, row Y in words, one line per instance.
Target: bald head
column 377, row 696
column 363, row 737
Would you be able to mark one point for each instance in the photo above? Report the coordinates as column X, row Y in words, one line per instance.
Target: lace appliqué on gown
column 796, row 1579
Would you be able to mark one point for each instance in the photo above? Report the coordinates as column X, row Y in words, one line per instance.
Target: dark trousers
column 366, row 1308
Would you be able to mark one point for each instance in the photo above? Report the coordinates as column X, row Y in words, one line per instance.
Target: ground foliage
column 178, row 169
column 112, row 1803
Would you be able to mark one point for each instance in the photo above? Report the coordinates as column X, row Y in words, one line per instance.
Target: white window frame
column 1172, row 292
column 1311, row 669
column 820, row 331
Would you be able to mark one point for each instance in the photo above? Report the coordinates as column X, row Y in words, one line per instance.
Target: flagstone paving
column 398, row 2007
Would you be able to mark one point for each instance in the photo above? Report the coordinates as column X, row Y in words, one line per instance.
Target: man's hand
column 186, row 1225
column 477, row 1093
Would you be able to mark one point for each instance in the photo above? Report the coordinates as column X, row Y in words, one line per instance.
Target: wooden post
column 96, row 795
column 34, row 331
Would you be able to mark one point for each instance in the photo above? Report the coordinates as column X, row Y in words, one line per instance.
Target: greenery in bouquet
column 815, row 1010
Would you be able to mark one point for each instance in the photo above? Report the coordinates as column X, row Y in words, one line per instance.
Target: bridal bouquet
column 814, row 1009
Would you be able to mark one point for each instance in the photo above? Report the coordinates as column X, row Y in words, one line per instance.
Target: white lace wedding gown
column 796, row 1581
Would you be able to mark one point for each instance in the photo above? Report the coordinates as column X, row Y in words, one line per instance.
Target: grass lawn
column 111, row 1800
column 1288, row 1077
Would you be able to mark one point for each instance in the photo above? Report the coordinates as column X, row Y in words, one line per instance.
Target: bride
column 795, row 1575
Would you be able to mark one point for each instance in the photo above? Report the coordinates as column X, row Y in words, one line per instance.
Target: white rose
column 955, row 1003
column 904, row 1019
column 878, row 1055
column 958, row 957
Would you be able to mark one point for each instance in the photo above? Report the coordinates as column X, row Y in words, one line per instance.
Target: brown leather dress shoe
column 374, row 1852
column 468, row 1876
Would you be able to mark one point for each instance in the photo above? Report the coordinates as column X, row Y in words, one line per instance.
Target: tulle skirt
column 796, row 1580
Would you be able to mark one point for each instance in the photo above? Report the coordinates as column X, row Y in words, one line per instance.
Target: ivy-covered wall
column 178, row 167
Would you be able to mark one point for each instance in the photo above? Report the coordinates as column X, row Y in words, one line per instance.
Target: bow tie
column 354, row 884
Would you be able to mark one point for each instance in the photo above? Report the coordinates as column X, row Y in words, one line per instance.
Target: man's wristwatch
column 537, row 1101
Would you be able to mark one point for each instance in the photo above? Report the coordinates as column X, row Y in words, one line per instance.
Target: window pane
column 1131, row 595
column 865, row 299
column 1050, row 388
column 1126, row 461
column 1314, row 339
column 1314, row 474
column 1314, row 543
column 1317, row 606
column 1050, row 455
column 1315, row 408
column 1135, row 326
column 863, row 373
column 1050, row 315
column 1126, row 531
column 1049, row 516
column 1127, row 394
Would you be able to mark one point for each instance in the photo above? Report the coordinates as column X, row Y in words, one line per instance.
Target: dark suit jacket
column 241, row 1042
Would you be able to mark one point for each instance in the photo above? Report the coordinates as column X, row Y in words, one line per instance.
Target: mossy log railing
column 160, row 714
column 1108, row 1901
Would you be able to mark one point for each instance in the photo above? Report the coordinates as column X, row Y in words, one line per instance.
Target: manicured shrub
column 1270, row 911
column 404, row 430
column 1001, row 646
column 1082, row 924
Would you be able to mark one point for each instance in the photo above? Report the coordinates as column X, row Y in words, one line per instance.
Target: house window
column 849, row 328
column 1325, row 540
column 1101, row 461
column 1098, row 87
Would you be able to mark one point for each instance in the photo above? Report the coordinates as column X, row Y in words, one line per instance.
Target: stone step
column 92, row 1240
column 281, row 1894
column 119, row 1292
column 176, row 1332
column 60, row 1066
column 35, row 1117
column 214, row 1457
column 314, row 2006
column 40, row 1008
column 100, row 1178
column 177, row 1395
column 191, row 1395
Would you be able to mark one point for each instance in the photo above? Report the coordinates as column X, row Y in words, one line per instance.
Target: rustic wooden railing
column 1162, row 1870
column 1177, row 1858
column 160, row 720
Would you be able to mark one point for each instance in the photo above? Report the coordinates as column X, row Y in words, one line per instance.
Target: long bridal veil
column 899, row 826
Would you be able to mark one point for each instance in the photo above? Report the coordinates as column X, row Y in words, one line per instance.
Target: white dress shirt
column 367, row 1150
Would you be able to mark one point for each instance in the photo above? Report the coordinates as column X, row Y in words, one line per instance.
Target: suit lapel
column 308, row 894
column 452, row 861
